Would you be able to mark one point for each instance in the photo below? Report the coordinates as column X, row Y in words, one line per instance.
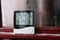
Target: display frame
column 17, row 26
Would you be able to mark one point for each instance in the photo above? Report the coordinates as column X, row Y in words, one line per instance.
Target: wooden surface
column 41, row 34
column 35, row 36
column 52, row 30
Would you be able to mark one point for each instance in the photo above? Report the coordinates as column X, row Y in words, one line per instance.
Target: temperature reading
column 24, row 18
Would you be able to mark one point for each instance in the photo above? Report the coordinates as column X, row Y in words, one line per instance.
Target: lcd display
column 23, row 19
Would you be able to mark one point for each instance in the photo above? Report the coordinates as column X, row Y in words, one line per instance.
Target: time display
column 24, row 18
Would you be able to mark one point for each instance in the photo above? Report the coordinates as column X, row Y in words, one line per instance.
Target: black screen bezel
column 22, row 26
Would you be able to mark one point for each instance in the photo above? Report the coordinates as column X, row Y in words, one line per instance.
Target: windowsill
column 53, row 30
column 40, row 33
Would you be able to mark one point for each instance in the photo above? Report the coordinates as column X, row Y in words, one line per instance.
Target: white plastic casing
column 26, row 30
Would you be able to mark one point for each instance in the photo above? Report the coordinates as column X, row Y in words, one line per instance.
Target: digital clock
column 24, row 20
